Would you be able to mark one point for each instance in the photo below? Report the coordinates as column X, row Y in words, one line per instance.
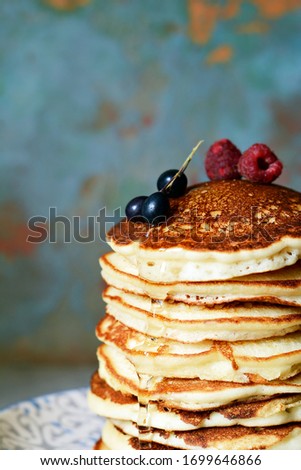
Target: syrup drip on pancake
column 145, row 430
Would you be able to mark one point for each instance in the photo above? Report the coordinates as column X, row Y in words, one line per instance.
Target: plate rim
column 39, row 401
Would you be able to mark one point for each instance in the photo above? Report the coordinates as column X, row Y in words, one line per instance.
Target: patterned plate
column 59, row 421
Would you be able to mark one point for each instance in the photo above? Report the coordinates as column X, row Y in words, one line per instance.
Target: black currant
column 177, row 188
column 133, row 208
column 156, row 208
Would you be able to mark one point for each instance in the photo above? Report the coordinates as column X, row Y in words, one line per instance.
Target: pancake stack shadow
column 201, row 340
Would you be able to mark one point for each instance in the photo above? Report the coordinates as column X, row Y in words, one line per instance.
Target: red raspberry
column 221, row 161
column 259, row 164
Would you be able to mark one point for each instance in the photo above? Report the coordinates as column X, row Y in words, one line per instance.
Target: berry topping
column 259, row 164
column 221, row 161
column 179, row 185
column 156, row 208
column 134, row 208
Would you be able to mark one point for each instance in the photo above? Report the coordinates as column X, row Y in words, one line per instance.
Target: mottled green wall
column 97, row 98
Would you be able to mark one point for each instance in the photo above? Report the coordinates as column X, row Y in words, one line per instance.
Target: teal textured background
column 96, row 102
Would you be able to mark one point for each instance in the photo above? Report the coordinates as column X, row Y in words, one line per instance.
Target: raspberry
column 221, row 161
column 259, row 164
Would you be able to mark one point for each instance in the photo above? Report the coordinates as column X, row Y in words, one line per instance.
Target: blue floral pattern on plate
column 58, row 421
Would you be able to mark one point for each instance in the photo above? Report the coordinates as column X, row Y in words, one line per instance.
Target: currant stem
column 183, row 167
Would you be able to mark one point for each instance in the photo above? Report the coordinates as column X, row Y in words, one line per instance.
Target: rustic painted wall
column 97, row 98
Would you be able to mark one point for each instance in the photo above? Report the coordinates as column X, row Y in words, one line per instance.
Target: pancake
column 114, row 439
column 217, row 230
column 282, row 286
column 201, row 339
column 100, row 445
column 185, row 394
column 193, row 323
column 123, row 435
column 107, row 402
column 270, row 359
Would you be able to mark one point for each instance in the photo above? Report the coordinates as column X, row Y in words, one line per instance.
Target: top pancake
column 237, row 227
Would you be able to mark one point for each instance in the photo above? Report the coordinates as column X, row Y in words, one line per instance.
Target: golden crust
column 207, row 437
column 225, row 216
column 100, row 388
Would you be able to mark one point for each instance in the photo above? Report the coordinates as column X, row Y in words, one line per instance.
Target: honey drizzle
column 144, row 421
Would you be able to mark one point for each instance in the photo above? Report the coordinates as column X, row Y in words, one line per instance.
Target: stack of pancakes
column 201, row 341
